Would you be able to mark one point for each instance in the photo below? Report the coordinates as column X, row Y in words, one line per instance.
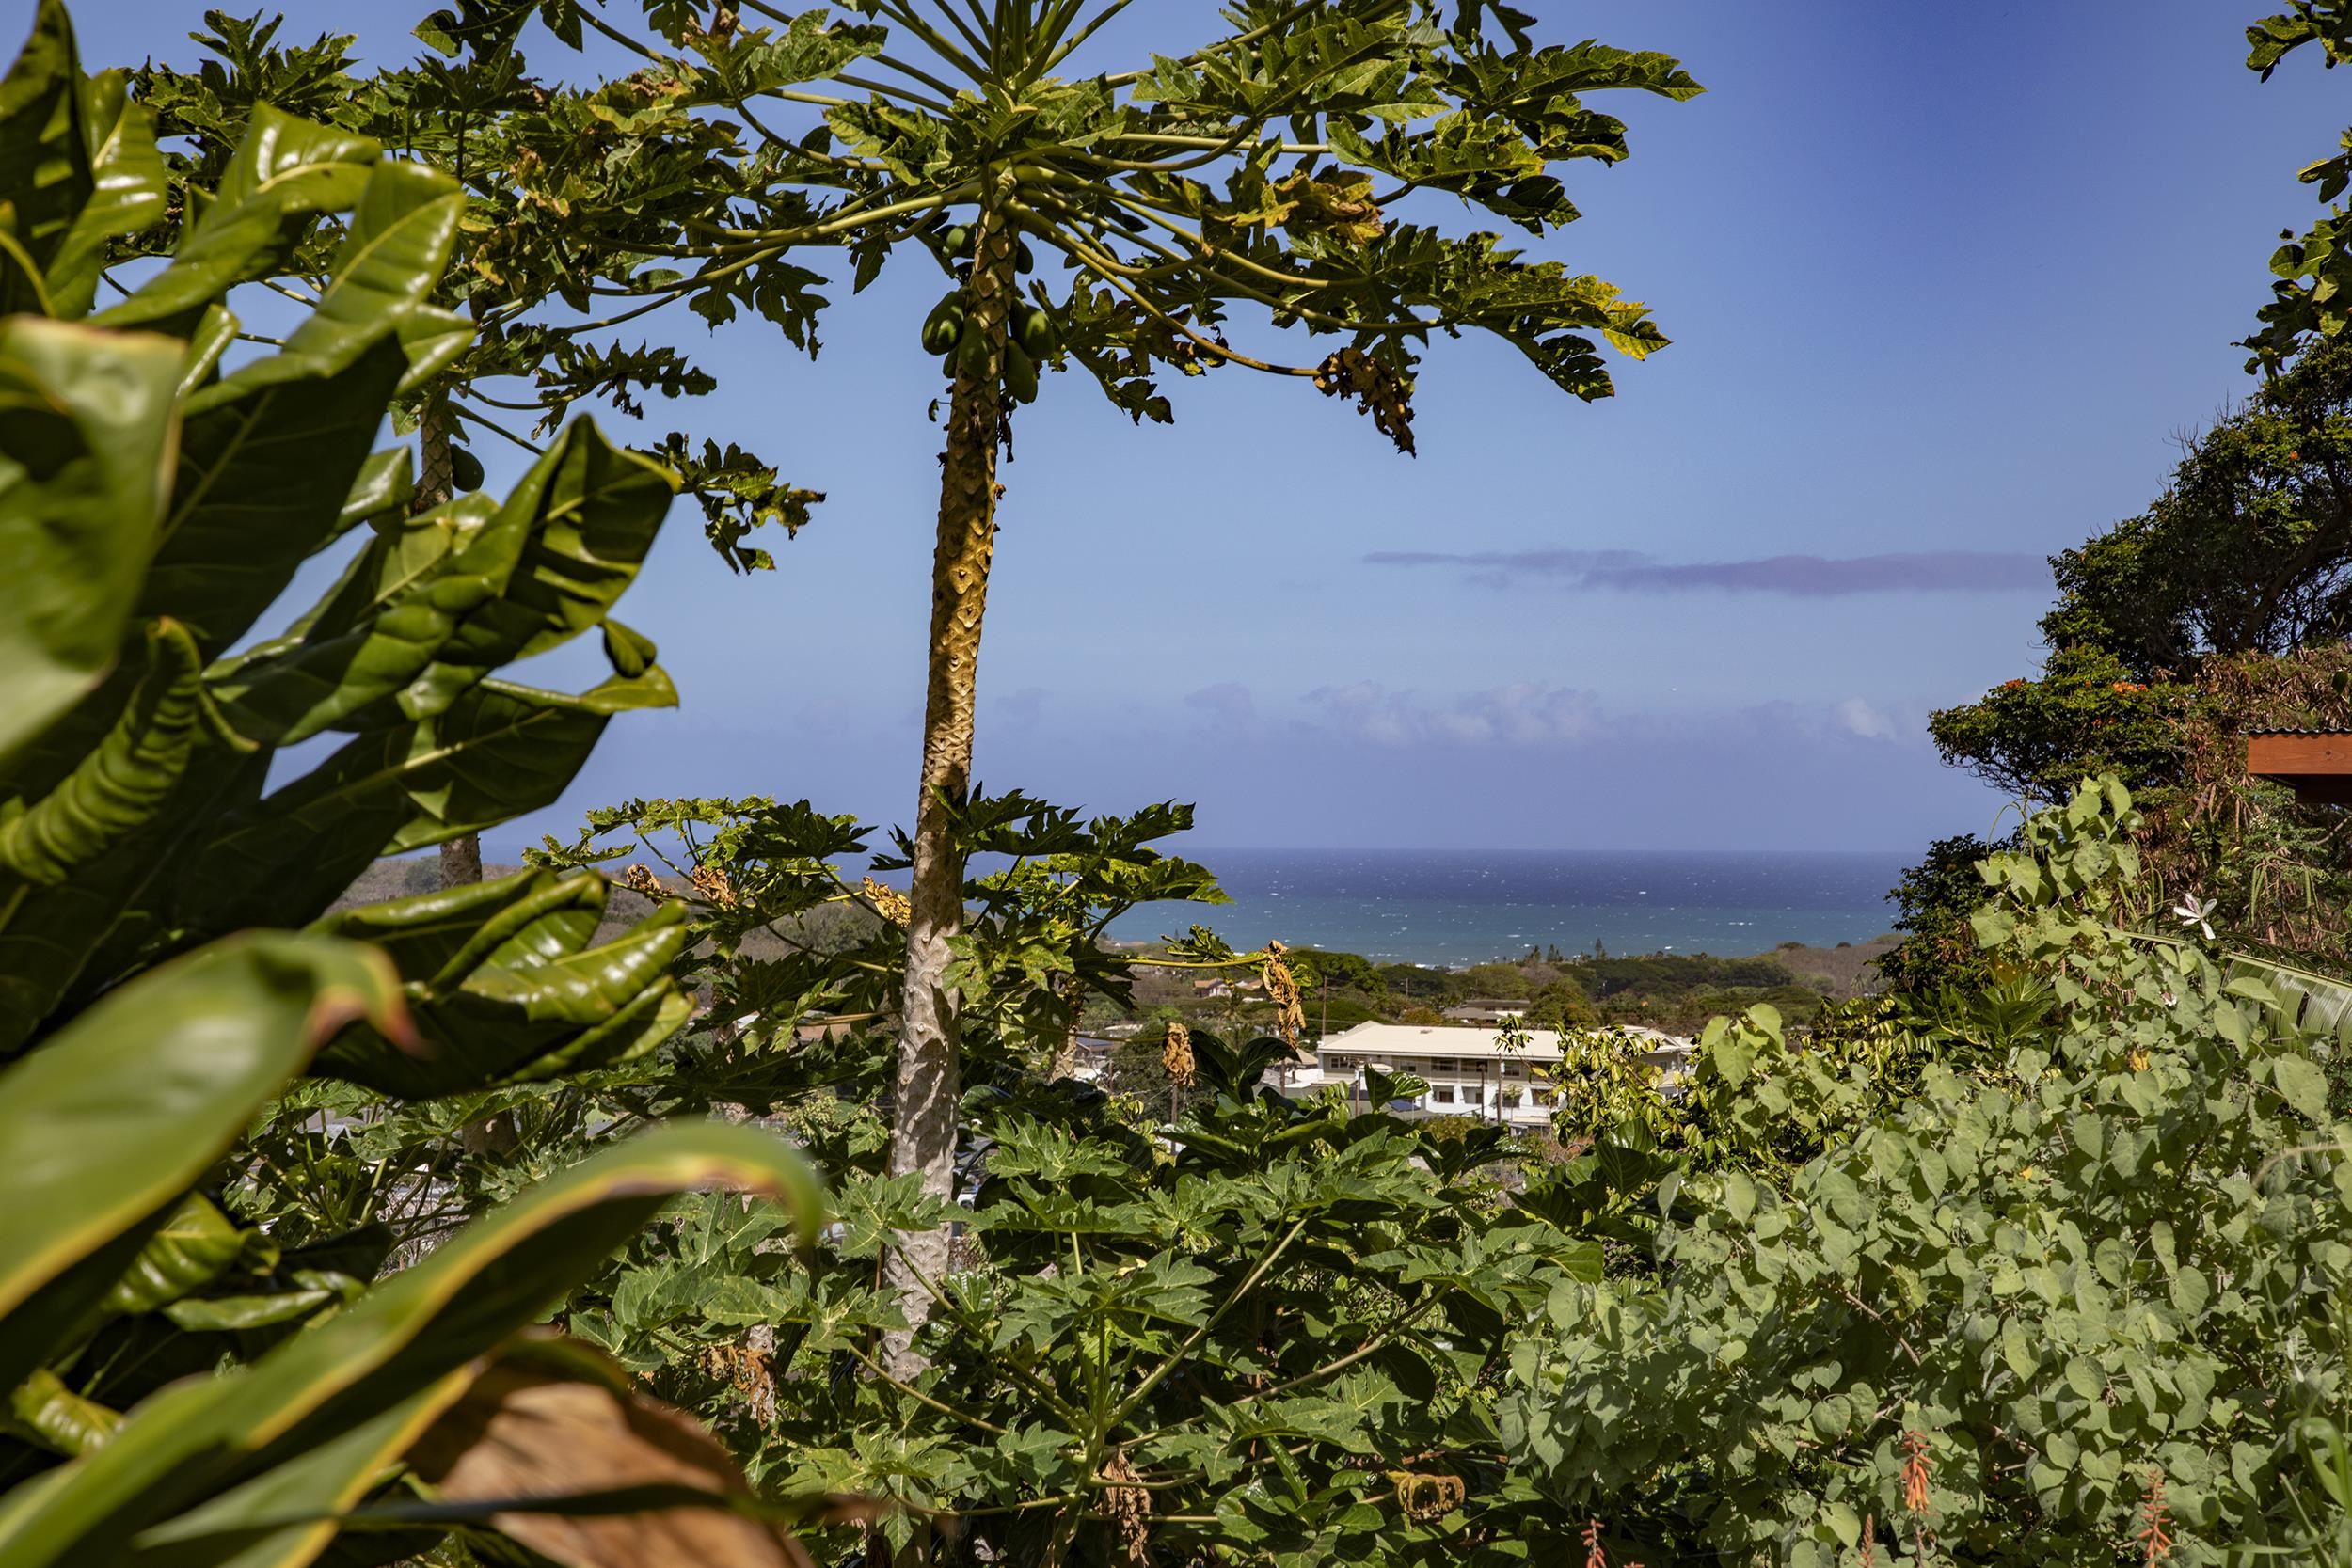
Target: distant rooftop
column 1464, row 1042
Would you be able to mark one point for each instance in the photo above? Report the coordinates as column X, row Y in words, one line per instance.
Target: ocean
column 1453, row 907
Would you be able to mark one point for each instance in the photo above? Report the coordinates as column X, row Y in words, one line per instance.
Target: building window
column 1441, row 1094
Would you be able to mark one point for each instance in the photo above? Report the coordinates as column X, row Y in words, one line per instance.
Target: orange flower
column 2154, row 1537
column 1915, row 1471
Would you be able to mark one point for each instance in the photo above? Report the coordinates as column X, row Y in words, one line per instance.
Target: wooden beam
column 2318, row 768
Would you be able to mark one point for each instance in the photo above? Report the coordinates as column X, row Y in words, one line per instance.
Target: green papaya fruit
column 1036, row 333
column 465, row 470
column 1024, row 258
column 1019, row 374
column 944, row 327
column 957, row 241
column 972, row 351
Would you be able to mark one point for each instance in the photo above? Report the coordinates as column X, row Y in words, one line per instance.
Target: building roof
column 1416, row 1040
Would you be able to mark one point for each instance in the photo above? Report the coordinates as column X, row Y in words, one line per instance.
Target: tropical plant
column 567, row 192
column 1271, row 1333
column 1267, row 176
column 156, row 496
column 2078, row 1281
column 2310, row 272
column 2221, row 610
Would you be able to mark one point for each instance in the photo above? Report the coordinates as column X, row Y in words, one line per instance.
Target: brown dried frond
column 1127, row 1507
column 1377, row 389
column 1915, row 1474
column 1426, row 1497
column 888, row 902
column 712, row 883
column 1337, row 204
column 1176, row 1056
column 748, row 1372
column 640, row 879
column 2155, row 1519
column 1282, row 989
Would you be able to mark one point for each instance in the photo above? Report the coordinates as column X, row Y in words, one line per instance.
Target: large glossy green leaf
column 271, row 453
column 396, row 609
column 117, row 1117
column 491, row 1279
column 287, row 1516
column 57, row 1419
column 129, row 777
column 128, row 192
column 45, row 176
column 504, row 988
column 437, row 938
column 499, row 751
column 530, row 1022
column 2312, row 1003
column 86, row 429
column 194, row 1247
column 67, row 944
column 286, row 171
column 588, row 512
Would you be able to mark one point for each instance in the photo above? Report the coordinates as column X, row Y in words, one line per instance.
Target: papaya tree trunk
column 461, row 858
column 437, row 485
column 928, row 1085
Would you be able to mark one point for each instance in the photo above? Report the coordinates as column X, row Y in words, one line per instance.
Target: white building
column 1468, row 1072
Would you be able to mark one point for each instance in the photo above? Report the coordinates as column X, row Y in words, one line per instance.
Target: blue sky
column 1946, row 283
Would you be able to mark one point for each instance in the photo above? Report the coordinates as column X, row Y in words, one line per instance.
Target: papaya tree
column 158, row 856
column 1132, row 225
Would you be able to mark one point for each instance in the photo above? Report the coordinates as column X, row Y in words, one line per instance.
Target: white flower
column 2196, row 914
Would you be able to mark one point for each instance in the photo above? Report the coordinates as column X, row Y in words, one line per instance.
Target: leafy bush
column 2081, row 1274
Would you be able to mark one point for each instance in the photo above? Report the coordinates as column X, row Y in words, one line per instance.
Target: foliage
column 2085, row 715
column 569, row 195
column 1258, row 172
column 1274, row 1335
column 1938, row 898
column 2220, row 610
column 2088, row 1257
column 182, row 1386
column 2309, row 270
column 2248, row 552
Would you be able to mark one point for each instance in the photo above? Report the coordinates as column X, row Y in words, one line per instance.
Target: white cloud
column 1512, row 716
column 1859, row 718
